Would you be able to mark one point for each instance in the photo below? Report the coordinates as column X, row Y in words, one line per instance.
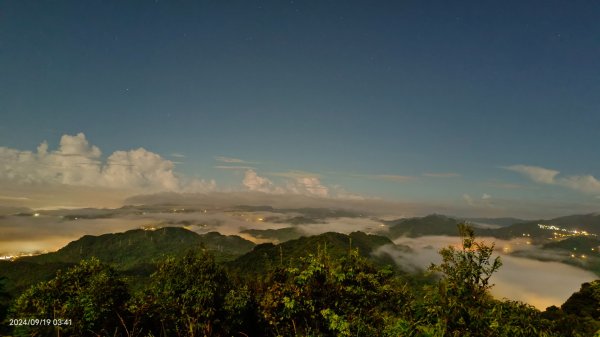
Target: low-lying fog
column 538, row 283
column 50, row 232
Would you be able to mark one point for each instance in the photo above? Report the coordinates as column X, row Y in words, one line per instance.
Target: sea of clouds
column 539, row 283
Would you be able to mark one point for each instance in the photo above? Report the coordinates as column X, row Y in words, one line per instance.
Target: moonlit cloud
column 78, row 163
column 297, row 184
column 537, row 174
column 538, row 283
column 231, row 160
column 581, row 183
column 256, row 183
column 339, row 192
column 308, row 186
column 177, row 155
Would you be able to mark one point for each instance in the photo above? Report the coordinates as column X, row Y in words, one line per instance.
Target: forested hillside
column 325, row 285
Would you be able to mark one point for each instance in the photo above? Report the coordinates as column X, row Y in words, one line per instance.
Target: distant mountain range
column 135, row 253
column 443, row 225
column 500, row 222
column 276, row 235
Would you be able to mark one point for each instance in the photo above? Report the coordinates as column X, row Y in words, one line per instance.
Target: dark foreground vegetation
column 318, row 294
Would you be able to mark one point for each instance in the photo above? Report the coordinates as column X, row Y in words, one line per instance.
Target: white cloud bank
column 76, row 174
column 76, row 162
column 538, row 283
column 308, row 185
column 581, row 183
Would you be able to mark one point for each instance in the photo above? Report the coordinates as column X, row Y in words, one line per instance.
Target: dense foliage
column 323, row 292
column 4, row 302
column 325, row 297
column 89, row 294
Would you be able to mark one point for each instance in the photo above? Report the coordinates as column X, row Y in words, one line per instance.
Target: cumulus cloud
column 308, row 185
column 256, row 183
column 581, row 183
column 339, row 192
column 78, row 163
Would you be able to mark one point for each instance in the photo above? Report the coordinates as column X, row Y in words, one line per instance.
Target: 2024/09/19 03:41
column 39, row 321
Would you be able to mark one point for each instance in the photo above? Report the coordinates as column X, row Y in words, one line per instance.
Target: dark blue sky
column 349, row 91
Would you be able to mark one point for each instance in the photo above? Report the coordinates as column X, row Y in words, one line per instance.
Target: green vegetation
column 463, row 289
column 128, row 249
column 90, row 296
column 434, row 224
column 4, row 303
column 322, row 296
column 266, row 256
column 501, row 222
column 326, row 285
column 580, row 314
column 134, row 254
column 277, row 235
column 191, row 296
column 580, row 244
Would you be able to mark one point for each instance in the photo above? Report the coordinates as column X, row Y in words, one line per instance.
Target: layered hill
column 434, row 224
column 134, row 253
column 337, row 245
column 276, row 235
column 443, row 225
column 133, row 247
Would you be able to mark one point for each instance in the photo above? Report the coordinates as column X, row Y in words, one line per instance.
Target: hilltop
column 336, row 244
column 125, row 250
column 134, row 253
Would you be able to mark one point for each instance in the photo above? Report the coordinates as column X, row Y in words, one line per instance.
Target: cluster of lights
column 149, row 227
column 247, row 217
column 19, row 255
column 562, row 232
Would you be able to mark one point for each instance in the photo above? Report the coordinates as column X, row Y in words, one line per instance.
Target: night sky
column 475, row 104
